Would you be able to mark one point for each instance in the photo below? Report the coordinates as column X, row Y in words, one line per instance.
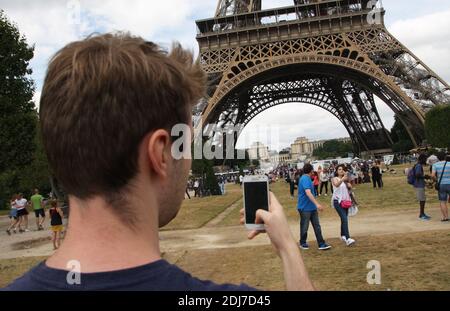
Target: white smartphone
column 256, row 196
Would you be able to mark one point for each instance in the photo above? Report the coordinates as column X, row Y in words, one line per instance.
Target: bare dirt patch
column 30, row 243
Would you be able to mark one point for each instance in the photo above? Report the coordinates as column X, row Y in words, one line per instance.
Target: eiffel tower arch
column 337, row 55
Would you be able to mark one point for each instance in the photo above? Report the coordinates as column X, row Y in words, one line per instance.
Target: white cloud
column 289, row 121
column 47, row 24
column 429, row 38
column 51, row 24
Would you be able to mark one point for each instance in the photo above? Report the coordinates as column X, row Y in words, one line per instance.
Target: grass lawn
column 11, row 269
column 416, row 261
column 197, row 212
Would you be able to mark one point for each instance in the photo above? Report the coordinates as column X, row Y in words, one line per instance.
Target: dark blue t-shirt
column 419, row 182
column 157, row 276
column 304, row 203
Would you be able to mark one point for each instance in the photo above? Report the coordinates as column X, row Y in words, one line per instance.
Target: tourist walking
column 187, row 191
column 56, row 223
column 342, row 201
column 22, row 212
column 419, row 185
column 291, row 181
column 37, row 202
column 381, row 173
column 376, row 176
column 196, row 186
column 14, row 219
column 324, row 178
column 315, row 180
column 308, row 208
column 221, row 181
column 441, row 174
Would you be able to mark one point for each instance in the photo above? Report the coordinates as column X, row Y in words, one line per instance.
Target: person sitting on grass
column 107, row 109
column 56, row 223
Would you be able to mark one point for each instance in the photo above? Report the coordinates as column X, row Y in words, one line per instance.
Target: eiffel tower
column 337, row 55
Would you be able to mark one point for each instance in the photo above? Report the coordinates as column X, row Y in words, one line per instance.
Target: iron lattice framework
column 336, row 55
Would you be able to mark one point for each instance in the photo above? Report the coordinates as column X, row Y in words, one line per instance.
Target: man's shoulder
column 25, row 283
column 305, row 179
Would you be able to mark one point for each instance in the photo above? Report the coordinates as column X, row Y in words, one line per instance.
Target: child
column 56, row 224
column 13, row 216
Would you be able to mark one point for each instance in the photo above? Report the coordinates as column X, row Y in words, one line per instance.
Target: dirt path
column 35, row 243
column 361, row 225
column 27, row 244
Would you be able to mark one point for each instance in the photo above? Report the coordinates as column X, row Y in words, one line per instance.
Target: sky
column 423, row 26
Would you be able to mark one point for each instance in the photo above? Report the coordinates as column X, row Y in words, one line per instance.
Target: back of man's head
column 441, row 156
column 422, row 159
column 308, row 168
column 100, row 99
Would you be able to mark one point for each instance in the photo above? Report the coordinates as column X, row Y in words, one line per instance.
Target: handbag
column 438, row 185
column 352, row 211
column 346, row 204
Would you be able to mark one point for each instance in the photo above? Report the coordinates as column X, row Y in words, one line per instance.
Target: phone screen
column 256, row 197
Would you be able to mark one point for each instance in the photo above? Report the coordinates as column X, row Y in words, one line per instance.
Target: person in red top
column 315, row 180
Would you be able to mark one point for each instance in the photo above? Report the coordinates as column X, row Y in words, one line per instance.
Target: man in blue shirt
column 441, row 174
column 108, row 107
column 307, row 208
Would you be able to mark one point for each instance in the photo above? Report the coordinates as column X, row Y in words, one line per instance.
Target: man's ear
column 159, row 152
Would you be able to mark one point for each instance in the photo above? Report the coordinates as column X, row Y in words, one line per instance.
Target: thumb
column 262, row 216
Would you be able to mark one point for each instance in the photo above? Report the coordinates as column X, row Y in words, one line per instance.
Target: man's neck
column 101, row 242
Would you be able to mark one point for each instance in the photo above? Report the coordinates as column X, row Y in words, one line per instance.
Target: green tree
column 35, row 175
column 235, row 162
column 437, row 123
column 400, row 137
column 333, row 149
column 18, row 117
column 205, row 169
column 256, row 163
column 398, row 131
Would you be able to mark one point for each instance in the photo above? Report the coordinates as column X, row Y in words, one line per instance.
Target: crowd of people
column 342, row 179
column 19, row 211
column 440, row 177
column 359, row 172
column 198, row 187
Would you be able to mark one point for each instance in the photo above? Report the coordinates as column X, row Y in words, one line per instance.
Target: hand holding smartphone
column 256, row 196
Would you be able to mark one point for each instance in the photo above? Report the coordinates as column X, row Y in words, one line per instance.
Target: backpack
column 411, row 178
